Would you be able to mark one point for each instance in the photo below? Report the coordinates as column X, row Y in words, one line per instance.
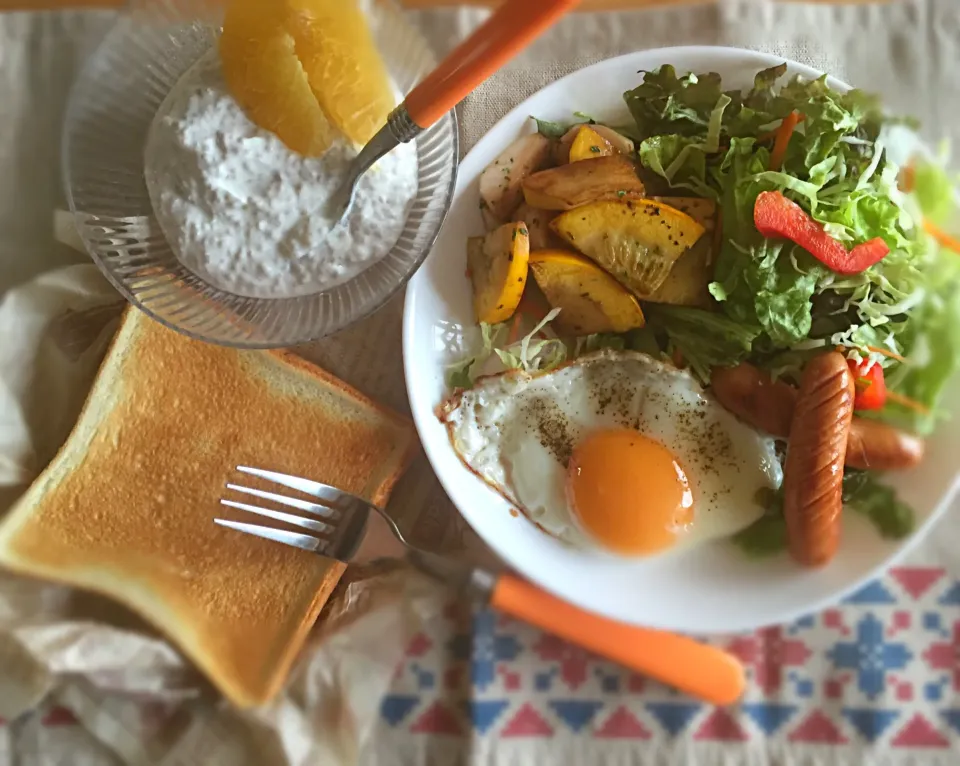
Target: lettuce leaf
column 705, row 339
column 862, row 493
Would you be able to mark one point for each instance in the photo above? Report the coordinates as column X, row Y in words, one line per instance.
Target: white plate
column 708, row 589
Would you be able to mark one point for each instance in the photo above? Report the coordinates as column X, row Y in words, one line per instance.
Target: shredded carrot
column 770, row 135
column 678, row 359
column 886, row 352
column 782, row 140
column 907, row 179
column 906, row 401
column 876, row 350
column 946, row 240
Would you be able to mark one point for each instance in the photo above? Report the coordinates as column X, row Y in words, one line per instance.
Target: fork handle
column 511, row 28
column 701, row 670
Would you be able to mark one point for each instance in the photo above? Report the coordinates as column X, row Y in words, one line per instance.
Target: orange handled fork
column 337, row 523
column 511, row 28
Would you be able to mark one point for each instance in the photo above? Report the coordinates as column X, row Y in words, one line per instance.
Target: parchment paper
column 136, row 699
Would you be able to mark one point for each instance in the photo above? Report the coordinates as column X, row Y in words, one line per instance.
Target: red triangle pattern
column 437, row 719
column 59, row 716
column 527, row 723
column 622, row 725
column 419, row 645
column 916, row 580
column 818, row 729
column 720, row 726
column 919, row 732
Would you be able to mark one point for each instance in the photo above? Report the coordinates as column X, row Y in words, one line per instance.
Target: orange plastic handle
column 700, row 670
column 511, row 28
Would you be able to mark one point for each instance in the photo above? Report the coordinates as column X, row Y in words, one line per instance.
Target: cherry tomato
column 871, row 387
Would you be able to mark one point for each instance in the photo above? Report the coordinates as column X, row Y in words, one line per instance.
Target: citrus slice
column 301, row 68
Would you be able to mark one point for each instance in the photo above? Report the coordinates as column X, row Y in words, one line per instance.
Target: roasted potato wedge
column 500, row 192
column 561, row 150
column 686, row 284
column 538, row 227
column 497, row 264
column 589, row 145
column 589, row 299
column 577, row 183
column 620, row 143
column 637, row 241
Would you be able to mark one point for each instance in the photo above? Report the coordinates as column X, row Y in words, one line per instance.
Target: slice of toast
column 127, row 506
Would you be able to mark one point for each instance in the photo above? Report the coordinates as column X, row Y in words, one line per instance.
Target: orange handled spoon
column 700, row 670
column 511, row 28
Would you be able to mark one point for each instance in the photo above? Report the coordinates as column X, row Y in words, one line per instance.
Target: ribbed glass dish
column 110, row 112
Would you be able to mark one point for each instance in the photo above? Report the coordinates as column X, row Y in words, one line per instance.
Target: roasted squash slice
column 577, row 183
column 688, row 280
column 637, row 241
column 588, row 145
column 589, row 299
column 497, row 264
column 620, row 143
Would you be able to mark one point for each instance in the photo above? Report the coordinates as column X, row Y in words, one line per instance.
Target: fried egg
column 616, row 450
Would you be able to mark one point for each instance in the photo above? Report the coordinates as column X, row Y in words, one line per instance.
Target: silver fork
column 336, row 523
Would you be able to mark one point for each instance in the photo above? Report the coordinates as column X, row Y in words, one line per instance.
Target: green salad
column 862, row 265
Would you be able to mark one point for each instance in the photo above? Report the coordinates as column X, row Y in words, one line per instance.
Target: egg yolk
column 629, row 492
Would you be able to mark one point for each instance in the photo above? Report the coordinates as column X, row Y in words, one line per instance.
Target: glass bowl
column 109, row 114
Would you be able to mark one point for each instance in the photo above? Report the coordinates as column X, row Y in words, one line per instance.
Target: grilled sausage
column 879, row 447
column 767, row 405
column 754, row 397
column 813, row 472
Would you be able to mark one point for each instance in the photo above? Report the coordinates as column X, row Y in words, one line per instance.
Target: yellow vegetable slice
column 688, row 280
column 589, row 299
column 497, row 264
column 636, row 241
column 588, row 145
column 703, row 211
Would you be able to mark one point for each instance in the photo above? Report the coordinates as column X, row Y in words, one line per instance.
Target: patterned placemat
column 875, row 680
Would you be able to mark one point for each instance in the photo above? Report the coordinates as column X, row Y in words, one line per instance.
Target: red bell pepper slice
column 871, row 388
column 776, row 216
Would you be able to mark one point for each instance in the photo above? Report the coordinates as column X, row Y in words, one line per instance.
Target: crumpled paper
column 112, row 670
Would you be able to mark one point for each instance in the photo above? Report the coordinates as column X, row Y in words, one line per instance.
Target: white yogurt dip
column 249, row 215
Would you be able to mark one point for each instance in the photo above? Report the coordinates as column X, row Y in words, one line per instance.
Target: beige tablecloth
column 144, row 705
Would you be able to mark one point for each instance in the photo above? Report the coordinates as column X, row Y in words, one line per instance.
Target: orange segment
column 342, row 63
column 301, row 68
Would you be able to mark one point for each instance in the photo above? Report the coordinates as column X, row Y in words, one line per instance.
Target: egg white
column 516, row 431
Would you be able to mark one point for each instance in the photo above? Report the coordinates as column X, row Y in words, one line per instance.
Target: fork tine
column 304, row 542
column 322, row 491
column 303, row 505
column 287, row 518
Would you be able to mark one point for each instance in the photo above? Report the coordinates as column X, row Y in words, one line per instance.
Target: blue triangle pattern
column 769, row 716
column 872, row 593
column 396, row 707
column 673, row 716
column 952, row 717
column 576, row 713
column 484, row 713
column 952, row 596
column 871, row 723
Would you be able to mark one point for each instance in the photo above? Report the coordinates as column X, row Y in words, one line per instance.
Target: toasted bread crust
column 126, row 508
